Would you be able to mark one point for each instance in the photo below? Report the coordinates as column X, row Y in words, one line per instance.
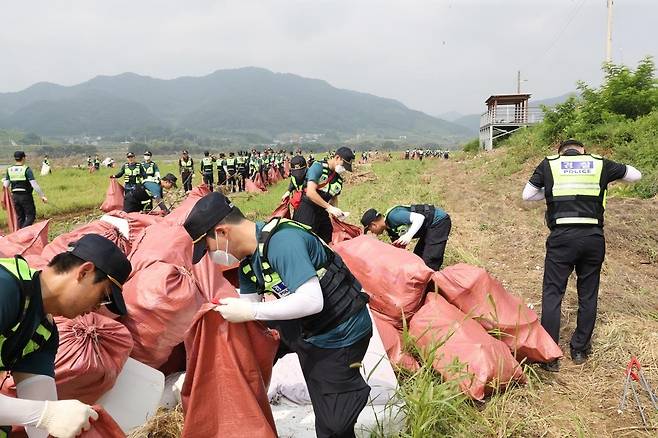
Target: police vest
column 330, row 182
column 149, row 169
column 18, row 179
column 22, row 339
column 241, row 163
column 132, row 175
column 297, row 185
column 206, row 165
column 573, row 190
column 230, row 165
column 186, row 166
column 220, row 167
column 340, row 290
column 426, row 210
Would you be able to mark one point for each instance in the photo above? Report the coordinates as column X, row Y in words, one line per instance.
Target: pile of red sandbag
column 61, row 242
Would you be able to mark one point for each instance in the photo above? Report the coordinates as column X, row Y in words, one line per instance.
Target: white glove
column 66, row 418
column 335, row 211
column 285, row 195
column 403, row 241
column 236, row 310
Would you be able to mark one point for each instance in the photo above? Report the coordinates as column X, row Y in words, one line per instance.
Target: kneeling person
column 429, row 224
column 142, row 197
column 320, row 312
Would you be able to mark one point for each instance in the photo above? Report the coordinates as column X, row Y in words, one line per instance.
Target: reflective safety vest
column 297, row 185
column 186, row 165
column 149, row 169
column 220, row 167
column 573, row 190
column 426, row 210
column 206, row 165
column 17, row 176
column 341, row 291
column 132, row 175
column 22, row 339
column 241, row 163
column 330, row 182
column 230, row 165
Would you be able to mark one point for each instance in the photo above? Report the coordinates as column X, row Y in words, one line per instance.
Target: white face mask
column 224, row 258
column 147, row 158
column 340, row 169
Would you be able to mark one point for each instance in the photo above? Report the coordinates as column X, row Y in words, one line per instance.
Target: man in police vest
column 90, row 274
column 231, row 172
column 132, row 173
column 323, row 185
column 320, row 312
column 151, row 170
column 242, row 170
column 221, row 173
column 186, row 170
column 574, row 184
column 208, row 170
column 141, row 199
column 429, row 224
column 19, row 178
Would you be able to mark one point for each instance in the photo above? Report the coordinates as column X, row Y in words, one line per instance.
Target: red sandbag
column 343, row 231
column 162, row 242
column 488, row 361
column 229, row 368
column 251, row 187
column 271, row 176
column 113, row 196
column 92, row 352
column 104, row 427
column 137, row 222
column 286, row 169
column 392, row 340
column 258, row 180
column 162, row 300
column 61, row 242
column 282, row 210
column 179, row 214
column 210, row 280
column 478, row 294
column 26, row 241
column 8, row 206
column 394, row 278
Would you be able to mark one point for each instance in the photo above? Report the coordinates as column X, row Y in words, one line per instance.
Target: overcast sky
column 432, row 55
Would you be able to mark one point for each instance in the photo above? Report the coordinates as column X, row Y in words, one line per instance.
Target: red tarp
column 26, row 241
column 282, row 210
column 162, row 300
column 251, row 187
column 392, row 340
column 8, row 206
column 478, row 294
column 162, row 242
column 61, row 242
column 394, row 278
column 487, row 360
column 92, row 352
column 229, row 368
column 113, row 196
column 343, row 231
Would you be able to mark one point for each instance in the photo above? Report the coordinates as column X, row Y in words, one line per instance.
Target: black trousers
column 432, row 246
column 338, row 392
column 315, row 217
column 243, row 178
column 26, row 211
column 221, row 178
column 187, row 180
column 563, row 254
column 208, row 179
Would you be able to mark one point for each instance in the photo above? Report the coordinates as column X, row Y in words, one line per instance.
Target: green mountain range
column 224, row 103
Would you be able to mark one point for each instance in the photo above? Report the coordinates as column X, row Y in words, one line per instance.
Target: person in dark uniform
column 320, row 312
column 19, row 178
column 207, row 170
column 231, row 172
column 242, row 170
column 429, row 224
column 151, row 170
column 84, row 278
column 297, row 179
column 132, row 172
column 323, row 186
column 147, row 193
column 186, row 170
column 221, row 172
column 574, row 185
column 97, row 163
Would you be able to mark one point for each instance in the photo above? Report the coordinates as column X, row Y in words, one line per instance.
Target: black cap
column 368, row 217
column 206, row 213
column 569, row 142
column 129, row 155
column 148, row 153
column 347, row 155
column 298, row 167
column 19, row 155
column 109, row 259
column 206, row 153
column 171, row 178
column 185, row 153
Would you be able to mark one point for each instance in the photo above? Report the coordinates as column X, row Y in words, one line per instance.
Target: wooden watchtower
column 505, row 114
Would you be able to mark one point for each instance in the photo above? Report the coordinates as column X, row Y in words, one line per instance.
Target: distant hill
column 246, row 100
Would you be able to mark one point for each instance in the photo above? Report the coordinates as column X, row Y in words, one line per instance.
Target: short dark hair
column 65, row 261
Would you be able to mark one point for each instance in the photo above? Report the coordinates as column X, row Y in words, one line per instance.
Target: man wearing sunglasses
column 90, row 274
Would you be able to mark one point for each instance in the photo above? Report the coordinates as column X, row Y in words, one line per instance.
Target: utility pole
column 518, row 82
column 608, row 42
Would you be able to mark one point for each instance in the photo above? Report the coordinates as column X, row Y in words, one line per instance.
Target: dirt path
column 493, row 227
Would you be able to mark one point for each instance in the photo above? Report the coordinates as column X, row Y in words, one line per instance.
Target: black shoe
column 579, row 357
column 552, row 366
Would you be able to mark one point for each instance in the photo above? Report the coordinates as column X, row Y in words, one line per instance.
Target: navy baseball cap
column 368, row 217
column 19, row 155
column 171, row 178
column 347, row 155
column 109, row 259
column 206, row 213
